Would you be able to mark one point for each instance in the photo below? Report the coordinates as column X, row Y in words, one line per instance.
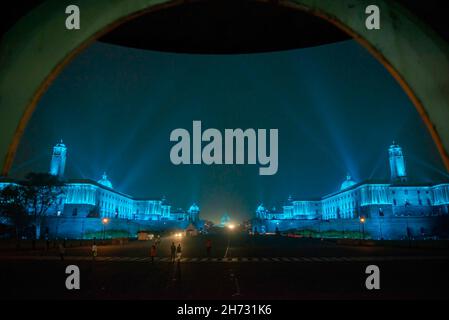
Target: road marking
column 227, row 248
column 334, row 259
column 306, row 259
column 295, row 259
column 229, row 259
column 127, row 258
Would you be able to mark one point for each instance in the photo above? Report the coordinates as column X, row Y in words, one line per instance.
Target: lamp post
column 362, row 221
column 105, row 222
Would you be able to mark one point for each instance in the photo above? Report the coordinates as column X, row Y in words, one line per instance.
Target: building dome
column 61, row 144
column 347, row 183
column 194, row 208
column 104, row 181
column 261, row 208
column 225, row 219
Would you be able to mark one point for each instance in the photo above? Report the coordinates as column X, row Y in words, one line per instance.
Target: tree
column 13, row 208
column 41, row 191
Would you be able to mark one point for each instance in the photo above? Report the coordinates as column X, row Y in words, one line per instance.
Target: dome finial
column 104, row 180
column 348, row 182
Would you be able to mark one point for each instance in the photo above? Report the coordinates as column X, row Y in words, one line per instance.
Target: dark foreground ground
column 240, row 267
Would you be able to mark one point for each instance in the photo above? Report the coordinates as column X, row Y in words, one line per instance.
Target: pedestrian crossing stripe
column 229, row 259
column 306, row 259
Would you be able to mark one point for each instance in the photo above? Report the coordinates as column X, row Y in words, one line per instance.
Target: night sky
column 337, row 110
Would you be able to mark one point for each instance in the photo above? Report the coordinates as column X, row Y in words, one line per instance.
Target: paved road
column 237, row 246
column 239, row 268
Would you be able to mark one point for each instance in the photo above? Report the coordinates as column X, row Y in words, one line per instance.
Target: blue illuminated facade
column 386, row 200
column 84, row 198
column 58, row 159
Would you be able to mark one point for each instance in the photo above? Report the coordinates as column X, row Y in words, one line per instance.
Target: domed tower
column 261, row 212
column 347, row 183
column 58, row 158
column 225, row 219
column 397, row 164
column 104, row 181
column 194, row 212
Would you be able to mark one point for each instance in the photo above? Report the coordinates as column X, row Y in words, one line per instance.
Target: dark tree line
column 25, row 203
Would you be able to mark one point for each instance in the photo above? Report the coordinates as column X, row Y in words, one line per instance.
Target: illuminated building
column 225, row 219
column 58, row 158
column 84, row 198
column 391, row 201
column 397, row 163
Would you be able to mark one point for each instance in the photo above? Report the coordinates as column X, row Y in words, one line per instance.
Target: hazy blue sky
column 337, row 110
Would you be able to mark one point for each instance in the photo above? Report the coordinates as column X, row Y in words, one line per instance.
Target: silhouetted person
column 173, row 252
column 152, row 252
column 178, row 252
column 94, row 251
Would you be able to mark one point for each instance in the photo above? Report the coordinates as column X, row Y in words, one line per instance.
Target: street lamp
column 362, row 221
column 105, row 221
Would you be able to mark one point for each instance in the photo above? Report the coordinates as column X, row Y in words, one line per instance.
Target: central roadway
column 262, row 267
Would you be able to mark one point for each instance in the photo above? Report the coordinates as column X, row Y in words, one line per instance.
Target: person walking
column 173, row 252
column 152, row 252
column 178, row 251
column 94, row 251
column 208, row 247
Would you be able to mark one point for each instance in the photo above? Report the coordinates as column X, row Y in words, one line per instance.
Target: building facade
column 396, row 198
column 84, row 198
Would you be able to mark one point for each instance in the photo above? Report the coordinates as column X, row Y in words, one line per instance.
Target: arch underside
column 38, row 47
